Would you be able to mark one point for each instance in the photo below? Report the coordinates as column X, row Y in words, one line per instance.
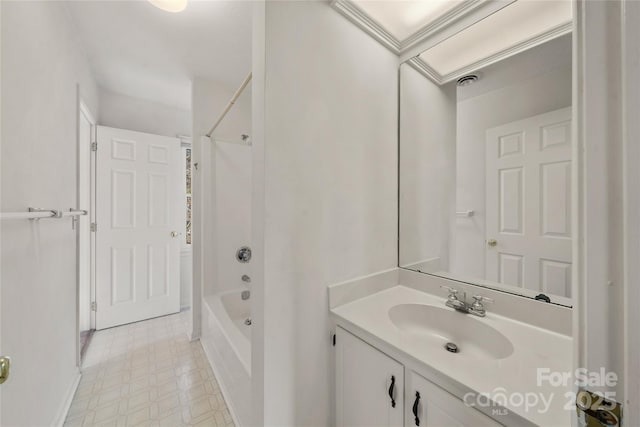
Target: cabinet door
column 369, row 384
column 438, row 408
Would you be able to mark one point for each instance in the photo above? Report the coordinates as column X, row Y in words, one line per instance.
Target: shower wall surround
column 212, row 274
column 222, row 210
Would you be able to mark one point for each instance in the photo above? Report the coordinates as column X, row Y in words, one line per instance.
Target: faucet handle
column 479, row 299
column 453, row 293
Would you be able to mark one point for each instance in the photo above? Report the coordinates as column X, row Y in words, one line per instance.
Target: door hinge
column 94, row 306
column 94, row 146
column 93, row 227
column 334, row 340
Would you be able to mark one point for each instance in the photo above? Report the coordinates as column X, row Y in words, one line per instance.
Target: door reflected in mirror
column 486, row 169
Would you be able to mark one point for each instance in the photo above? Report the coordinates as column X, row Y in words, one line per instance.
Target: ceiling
column 553, row 56
column 403, row 18
column 139, row 50
column 459, row 35
column 511, row 26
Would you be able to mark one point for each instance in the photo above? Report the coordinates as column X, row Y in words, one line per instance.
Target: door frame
column 631, row 135
column 81, row 153
column 605, row 94
column 186, row 250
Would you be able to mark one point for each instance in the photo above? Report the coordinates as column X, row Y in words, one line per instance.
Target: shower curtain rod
column 230, row 104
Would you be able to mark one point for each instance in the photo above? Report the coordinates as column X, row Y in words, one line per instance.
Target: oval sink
column 439, row 326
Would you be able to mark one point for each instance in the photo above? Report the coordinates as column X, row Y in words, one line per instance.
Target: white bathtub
column 227, row 342
column 239, row 311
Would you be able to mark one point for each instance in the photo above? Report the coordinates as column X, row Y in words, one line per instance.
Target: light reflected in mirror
column 485, row 172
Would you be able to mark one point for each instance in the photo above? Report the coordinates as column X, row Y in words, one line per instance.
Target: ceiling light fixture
column 170, row 5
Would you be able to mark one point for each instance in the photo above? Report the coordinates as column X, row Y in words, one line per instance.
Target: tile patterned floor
column 147, row 374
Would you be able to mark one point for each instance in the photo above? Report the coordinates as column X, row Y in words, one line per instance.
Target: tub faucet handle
column 246, row 278
column 243, row 254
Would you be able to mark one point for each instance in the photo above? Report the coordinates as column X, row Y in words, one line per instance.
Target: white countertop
column 533, row 348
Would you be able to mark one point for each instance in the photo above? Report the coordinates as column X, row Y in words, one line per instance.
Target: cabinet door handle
column 391, row 387
column 415, row 408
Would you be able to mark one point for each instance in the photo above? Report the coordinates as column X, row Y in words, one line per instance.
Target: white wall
column 41, row 68
column 186, row 278
column 126, row 112
column 525, row 98
column 325, row 178
column 427, row 170
column 210, row 98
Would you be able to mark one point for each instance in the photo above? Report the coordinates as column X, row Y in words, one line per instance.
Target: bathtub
column 226, row 339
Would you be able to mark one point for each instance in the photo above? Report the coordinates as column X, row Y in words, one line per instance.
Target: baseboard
column 66, row 403
column 221, row 384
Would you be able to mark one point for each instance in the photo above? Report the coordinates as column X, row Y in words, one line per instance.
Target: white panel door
column 369, row 384
column 139, row 201
column 528, row 203
column 430, row 406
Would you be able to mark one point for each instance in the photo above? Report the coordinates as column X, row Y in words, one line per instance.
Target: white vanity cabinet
column 371, row 391
column 369, row 384
column 429, row 405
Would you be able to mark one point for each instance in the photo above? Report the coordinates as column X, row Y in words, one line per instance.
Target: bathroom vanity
column 361, row 368
column 395, row 364
column 474, row 327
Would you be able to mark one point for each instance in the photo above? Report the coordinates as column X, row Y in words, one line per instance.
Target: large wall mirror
column 486, row 154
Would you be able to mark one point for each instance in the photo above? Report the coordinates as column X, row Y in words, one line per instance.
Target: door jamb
column 83, row 109
column 631, row 131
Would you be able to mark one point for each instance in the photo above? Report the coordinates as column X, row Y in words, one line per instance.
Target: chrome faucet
column 476, row 307
column 246, row 294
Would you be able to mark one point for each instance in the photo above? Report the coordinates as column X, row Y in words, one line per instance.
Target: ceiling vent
column 467, row 80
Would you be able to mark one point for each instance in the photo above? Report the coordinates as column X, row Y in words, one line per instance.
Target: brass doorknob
column 174, row 234
column 5, row 365
column 492, row 242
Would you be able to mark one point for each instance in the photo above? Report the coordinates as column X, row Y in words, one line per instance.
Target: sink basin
column 437, row 327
